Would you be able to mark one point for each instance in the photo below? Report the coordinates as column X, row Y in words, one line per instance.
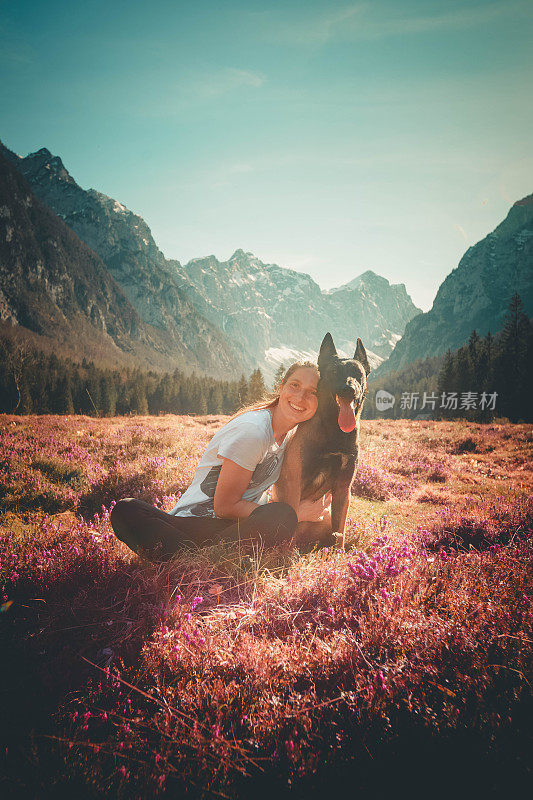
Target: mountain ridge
column 55, row 291
column 291, row 313
column 124, row 243
column 258, row 311
column 476, row 294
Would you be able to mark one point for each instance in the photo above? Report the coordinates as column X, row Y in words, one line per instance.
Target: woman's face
column 297, row 398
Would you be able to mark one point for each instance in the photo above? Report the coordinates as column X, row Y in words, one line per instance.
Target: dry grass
column 237, row 675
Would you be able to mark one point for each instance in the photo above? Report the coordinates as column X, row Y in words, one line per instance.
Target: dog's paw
column 338, row 539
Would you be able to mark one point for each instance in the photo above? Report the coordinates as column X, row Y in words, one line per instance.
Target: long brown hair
column 272, row 398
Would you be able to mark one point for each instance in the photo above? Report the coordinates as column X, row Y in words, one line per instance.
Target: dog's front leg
column 340, row 502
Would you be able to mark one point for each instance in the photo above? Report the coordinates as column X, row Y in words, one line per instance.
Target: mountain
column 260, row 313
column 380, row 310
column 124, row 243
column 477, row 293
column 57, row 293
column 278, row 315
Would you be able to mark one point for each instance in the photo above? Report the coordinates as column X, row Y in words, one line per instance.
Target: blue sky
column 327, row 137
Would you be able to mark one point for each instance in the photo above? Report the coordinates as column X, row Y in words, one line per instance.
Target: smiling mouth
column 296, row 408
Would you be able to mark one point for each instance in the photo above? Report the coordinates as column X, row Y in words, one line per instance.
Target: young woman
column 227, row 497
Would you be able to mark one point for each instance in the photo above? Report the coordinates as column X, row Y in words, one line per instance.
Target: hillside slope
column 477, row 293
column 56, row 292
column 124, row 243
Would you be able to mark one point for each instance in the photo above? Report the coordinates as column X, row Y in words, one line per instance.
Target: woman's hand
column 315, row 510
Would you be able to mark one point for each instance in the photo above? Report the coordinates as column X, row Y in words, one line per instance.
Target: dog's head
column 344, row 379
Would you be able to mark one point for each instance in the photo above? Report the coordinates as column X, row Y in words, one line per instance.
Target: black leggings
column 158, row 536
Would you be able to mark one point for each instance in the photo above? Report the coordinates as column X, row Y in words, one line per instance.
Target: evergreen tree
column 9, row 395
column 155, row 401
column 169, row 388
column 26, row 402
column 231, row 398
column 242, row 391
column 463, row 377
column 215, row 402
column 93, row 390
column 446, row 375
column 256, row 387
column 42, row 392
column 278, row 377
column 198, row 399
column 489, row 351
column 511, row 365
column 62, row 403
column 139, row 402
column 124, row 401
column 477, row 362
column 473, row 344
column 108, row 394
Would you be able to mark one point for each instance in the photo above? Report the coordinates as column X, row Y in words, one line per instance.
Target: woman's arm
column 287, row 489
column 318, row 510
column 231, row 485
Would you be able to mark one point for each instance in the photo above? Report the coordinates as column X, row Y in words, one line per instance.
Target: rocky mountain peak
column 245, row 261
column 369, row 280
column 8, row 154
column 518, row 221
column 42, row 166
column 240, row 254
column 525, row 201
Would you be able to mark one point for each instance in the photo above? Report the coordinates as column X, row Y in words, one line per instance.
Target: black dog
column 323, row 454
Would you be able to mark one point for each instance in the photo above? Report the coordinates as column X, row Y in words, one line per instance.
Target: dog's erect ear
column 327, row 349
column 360, row 355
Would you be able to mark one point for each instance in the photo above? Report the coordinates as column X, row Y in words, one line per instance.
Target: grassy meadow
column 401, row 667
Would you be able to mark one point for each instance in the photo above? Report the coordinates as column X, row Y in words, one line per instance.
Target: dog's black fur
column 321, row 457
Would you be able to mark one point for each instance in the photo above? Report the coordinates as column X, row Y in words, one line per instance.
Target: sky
column 328, row 137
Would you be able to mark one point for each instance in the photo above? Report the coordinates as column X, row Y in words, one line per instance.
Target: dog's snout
column 349, row 391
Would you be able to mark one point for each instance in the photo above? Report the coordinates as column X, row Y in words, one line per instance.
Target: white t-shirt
column 248, row 440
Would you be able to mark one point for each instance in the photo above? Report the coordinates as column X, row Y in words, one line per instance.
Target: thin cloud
column 376, row 21
column 199, row 88
column 316, row 30
column 316, row 158
column 227, row 173
column 220, row 82
column 461, row 231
